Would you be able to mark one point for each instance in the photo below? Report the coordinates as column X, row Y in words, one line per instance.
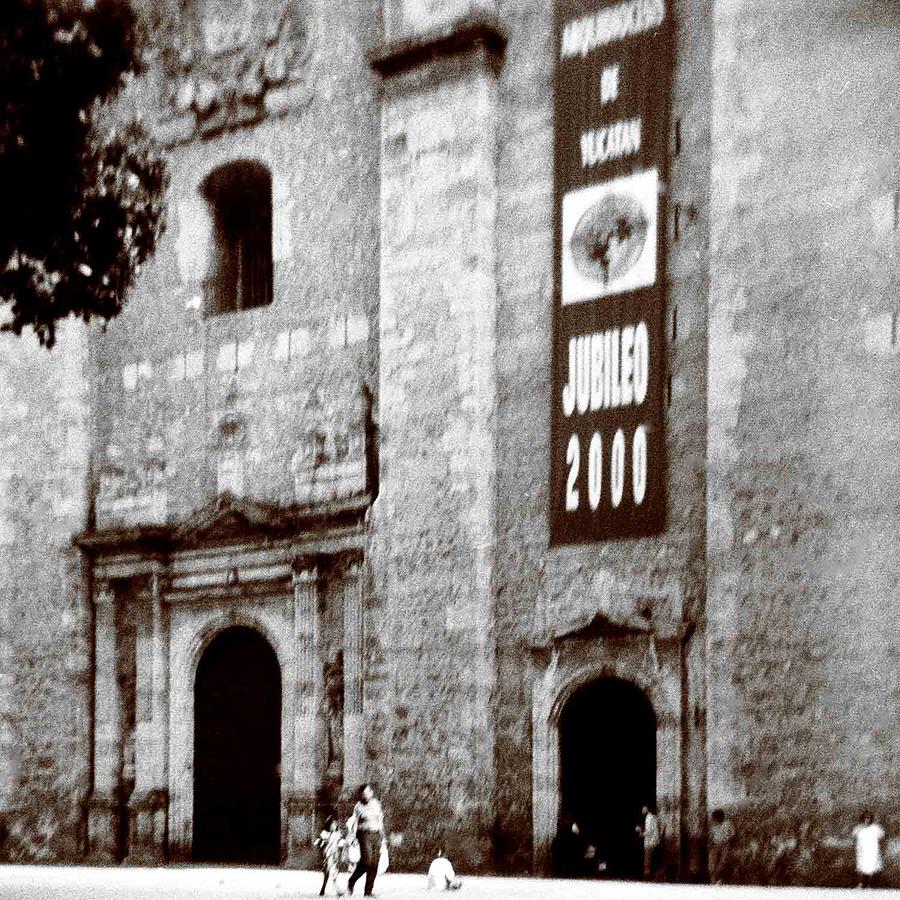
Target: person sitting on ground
column 441, row 876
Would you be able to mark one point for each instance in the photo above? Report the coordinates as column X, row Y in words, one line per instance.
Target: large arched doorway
column 237, row 751
column 607, row 734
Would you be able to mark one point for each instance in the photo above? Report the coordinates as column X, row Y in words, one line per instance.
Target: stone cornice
column 663, row 633
column 459, row 37
column 226, row 520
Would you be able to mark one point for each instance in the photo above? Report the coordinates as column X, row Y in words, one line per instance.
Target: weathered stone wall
column 193, row 404
column 430, row 628
column 421, row 265
column 542, row 589
column 803, row 399
column 45, row 645
column 173, row 407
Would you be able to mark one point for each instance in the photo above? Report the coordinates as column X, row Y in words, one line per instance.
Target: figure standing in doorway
column 568, row 849
column 651, row 833
column 367, row 823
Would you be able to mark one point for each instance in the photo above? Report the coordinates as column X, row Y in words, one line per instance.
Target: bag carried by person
column 351, row 853
column 383, row 860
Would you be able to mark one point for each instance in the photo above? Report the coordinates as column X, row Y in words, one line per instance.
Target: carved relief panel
column 224, row 57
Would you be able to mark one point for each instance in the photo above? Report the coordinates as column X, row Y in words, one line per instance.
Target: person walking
column 651, row 833
column 868, row 835
column 367, row 823
column 329, row 843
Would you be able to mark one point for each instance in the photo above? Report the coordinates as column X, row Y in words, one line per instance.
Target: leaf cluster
column 83, row 197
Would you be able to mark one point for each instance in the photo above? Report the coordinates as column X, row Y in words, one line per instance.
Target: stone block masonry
column 802, row 492
column 434, row 538
column 412, row 292
column 45, row 655
column 541, row 588
column 145, row 428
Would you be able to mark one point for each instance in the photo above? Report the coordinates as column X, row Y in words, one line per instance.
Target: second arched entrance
column 237, row 750
column 607, row 735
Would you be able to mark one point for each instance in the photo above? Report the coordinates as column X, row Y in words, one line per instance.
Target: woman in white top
column 367, row 823
column 868, row 836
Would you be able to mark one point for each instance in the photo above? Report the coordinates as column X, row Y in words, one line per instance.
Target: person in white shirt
column 868, row 836
column 367, row 824
column 441, row 876
column 651, row 833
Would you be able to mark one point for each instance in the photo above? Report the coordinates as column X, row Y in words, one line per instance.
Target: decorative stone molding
column 107, row 708
column 231, row 451
column 303, row 811
column 232, row 65
column 193, row 627
column 148, row 827
column 308, row 678
column 330, row 465
column 354, row 720
column 132, row 496
column 608, row 603
column 228, row 519
column 178, row 573
column 660, row 680
column 464, row 35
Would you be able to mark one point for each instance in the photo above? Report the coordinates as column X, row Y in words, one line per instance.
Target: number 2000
column 616, row 469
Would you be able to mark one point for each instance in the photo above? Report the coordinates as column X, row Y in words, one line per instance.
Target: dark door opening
column 237, row 751
column 607, row 735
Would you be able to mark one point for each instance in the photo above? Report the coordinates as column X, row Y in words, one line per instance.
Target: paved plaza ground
column 196, row 883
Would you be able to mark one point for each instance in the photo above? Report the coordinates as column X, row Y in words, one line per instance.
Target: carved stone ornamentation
column 334, row 714
column 223, row 57
column 330, row 461
column 133, row 491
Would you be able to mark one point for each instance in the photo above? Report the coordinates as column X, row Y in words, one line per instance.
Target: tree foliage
column 82, row 190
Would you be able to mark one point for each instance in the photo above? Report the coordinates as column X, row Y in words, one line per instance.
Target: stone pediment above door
column 604, row 604
column 230, row 518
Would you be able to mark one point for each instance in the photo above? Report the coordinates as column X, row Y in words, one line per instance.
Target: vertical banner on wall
column 607, row 468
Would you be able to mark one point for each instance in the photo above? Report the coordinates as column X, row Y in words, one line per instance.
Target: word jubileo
column 595, row 470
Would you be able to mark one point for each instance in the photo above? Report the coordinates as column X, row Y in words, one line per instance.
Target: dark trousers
column 369, row 851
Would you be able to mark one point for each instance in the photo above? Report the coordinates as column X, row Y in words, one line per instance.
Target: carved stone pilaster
column 104, row 817
column 306, row 638
column 308, row 728
column 304, row 815
column 104, row 806
column 354, row 733
column 148, row 807
column 160, row 677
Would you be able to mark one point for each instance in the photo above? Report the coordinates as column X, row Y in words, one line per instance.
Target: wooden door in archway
column 607, row 733
column 237, row 751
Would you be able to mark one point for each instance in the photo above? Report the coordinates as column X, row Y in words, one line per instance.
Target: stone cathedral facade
column 282, row 527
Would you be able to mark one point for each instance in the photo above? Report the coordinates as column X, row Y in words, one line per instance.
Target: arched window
column 240, row 272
